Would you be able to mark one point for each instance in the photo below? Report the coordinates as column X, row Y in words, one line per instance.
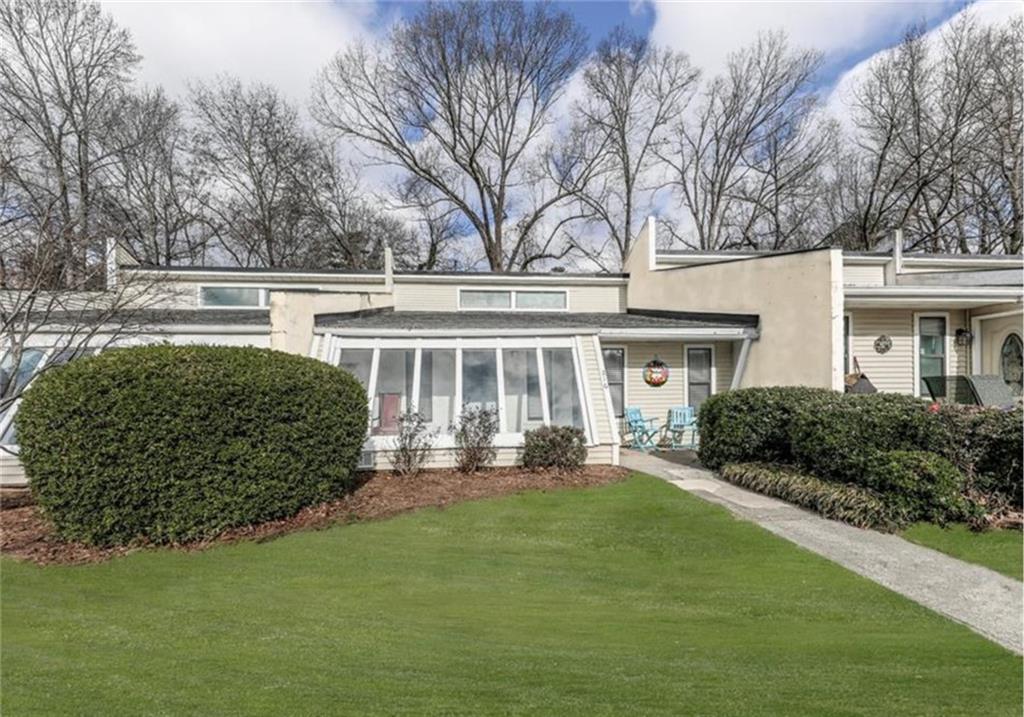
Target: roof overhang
column 952, row 297
column 692, row 334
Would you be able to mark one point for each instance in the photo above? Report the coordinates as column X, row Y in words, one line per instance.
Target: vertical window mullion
column 417, row 363
column 499, row 367
column 371, row 384
column 542, row 379
column 457, row 409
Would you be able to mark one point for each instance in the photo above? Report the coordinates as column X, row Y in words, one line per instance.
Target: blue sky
column 285, row 43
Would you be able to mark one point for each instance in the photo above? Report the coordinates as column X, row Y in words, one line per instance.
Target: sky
column 285, row 43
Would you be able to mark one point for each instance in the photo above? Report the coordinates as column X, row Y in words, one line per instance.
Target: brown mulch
column 26, row 535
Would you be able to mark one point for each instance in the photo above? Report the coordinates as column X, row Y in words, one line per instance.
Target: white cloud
column 281, row 43
column 709, row 31
column 986, row 12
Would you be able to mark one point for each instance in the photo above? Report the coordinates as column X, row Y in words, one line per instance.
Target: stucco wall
column 293, row 314
column 798, row 297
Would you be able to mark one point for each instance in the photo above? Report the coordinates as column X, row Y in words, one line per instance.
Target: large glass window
column 480, row 379
column 394, row 389
column 437, row 388
column 1011, row 362
column 563, row 393
column 234, row 296
column 698, row 375
column 523, row 409
column 357, row 362
column 14, row 378
column 931, row 349
column 846, row 345
column 484, row 299
column 615, row 370
column 540, row 300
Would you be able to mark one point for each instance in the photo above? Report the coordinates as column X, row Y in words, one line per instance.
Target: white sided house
column 576, row 349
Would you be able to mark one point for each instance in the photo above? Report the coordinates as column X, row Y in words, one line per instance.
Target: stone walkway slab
column 989, row 603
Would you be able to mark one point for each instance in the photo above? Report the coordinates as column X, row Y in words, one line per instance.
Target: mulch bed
column 26, row 535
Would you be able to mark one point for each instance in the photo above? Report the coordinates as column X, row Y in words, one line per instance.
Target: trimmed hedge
column 921, row 485
column 561, row 447
column 987, row 445
column 837, row 439
column 178, row 443
column 849, row 504
column 752, row 424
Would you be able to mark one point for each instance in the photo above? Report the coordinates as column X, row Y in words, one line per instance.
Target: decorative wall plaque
column 883, row 343
column 655, row 372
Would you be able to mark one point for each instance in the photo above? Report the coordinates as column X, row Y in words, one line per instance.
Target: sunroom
column 531, row 368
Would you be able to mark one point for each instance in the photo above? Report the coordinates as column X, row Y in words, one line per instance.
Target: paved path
column 987, row 602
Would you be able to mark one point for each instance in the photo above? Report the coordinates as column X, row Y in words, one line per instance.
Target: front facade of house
column 575, row 349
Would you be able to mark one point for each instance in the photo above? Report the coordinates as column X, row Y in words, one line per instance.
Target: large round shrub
column 176, row 443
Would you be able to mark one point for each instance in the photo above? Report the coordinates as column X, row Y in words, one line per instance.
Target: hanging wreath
column 655, row 372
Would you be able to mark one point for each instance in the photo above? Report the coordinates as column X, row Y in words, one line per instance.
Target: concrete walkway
column 987, row 602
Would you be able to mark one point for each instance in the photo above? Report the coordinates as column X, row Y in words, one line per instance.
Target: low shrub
column 850, row 504
column 474, row 438
column 412, row 445
column 177, row 443
column 922, row 485
column 987, row 445
column 752, row 424
column 560, row 447
column 838, row 438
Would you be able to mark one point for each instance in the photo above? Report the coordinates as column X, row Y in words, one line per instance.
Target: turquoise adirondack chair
column 682, row 420
column 644, row 433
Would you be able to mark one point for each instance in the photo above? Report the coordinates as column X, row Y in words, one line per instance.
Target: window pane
column 563, row 397
column 230, row 296
column 540, row 299
column 394, row 389
column 523, row 408
column 698, row 375
column 480, row 379
column 615, row 369
column 357, row 363
column 846, row 344
column 698, row 394
column 935, row 326
column 476, row 299
column 12, row 380
column 437, row 388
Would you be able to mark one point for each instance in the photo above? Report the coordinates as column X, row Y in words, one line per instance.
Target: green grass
column 1000, row 550
column 634, row 598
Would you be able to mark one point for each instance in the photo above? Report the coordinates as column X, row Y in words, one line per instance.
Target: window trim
column 686, row 370
column 947, row 345
column 512, row 298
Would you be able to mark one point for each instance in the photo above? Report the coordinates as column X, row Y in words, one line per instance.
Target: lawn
column 1000, row 550
column 633, row 598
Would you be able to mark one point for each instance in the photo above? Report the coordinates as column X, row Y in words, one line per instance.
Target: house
column 575, row 349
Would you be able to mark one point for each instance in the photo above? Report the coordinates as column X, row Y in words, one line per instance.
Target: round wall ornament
column 883, row 343
column 655, row 372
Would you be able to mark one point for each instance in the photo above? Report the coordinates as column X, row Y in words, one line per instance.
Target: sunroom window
column 516, row 299
column 476, row 299
column 528, row 383
column 15, row 378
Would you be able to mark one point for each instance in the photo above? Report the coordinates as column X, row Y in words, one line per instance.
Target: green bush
column 752, row 424
column 838, row 438
column 849, row 504
column 177, row 443
column 561, row 447
column 921, row 485
column 987, row 445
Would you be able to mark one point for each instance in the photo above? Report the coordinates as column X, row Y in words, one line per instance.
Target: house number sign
column 655, row 372
column 883, row 343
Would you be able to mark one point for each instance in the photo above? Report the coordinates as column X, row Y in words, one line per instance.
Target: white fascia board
column 459, row 333
column 963, row 261
column 499, row 279
column 255, row 276
column 675, row 334
column 934, row 292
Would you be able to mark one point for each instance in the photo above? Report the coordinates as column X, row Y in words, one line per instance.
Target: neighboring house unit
column 576, row 349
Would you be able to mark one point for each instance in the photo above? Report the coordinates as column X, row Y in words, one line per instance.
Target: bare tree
column 734, row 160
column 250, row 144
column 634, row 93
column 461, row 97
column 155, row 193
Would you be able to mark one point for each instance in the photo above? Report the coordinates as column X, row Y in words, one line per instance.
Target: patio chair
column 642, row 429
column 681, row 420
column 951, row 389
